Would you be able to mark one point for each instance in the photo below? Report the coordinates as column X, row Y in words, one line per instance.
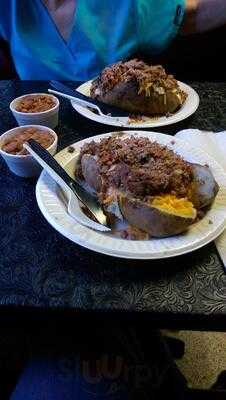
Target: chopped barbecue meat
column 140, row 167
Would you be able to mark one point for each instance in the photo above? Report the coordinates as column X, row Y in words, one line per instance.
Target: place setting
column 131, row 194
column 132, row 105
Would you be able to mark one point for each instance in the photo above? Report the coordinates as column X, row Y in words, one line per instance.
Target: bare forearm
column 204, row 15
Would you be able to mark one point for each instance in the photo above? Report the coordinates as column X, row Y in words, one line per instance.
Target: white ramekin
column 25, row 165
column 47, row 118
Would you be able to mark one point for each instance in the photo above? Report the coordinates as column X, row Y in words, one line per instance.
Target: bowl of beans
column 16, row 156
column 36, row 108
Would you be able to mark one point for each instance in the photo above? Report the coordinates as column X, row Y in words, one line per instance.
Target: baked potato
column 159, row 214
column 202, row 192
column 138, row 88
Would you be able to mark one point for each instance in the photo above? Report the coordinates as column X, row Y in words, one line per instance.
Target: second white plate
column 190, row 106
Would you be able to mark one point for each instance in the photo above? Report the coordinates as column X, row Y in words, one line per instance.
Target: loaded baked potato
column 146, row 184
column 138, row 88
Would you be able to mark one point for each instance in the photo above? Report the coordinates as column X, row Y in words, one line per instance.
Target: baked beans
column 35, row 103
column 15, row 143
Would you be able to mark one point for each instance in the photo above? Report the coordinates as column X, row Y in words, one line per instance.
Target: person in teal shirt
column 76, row 39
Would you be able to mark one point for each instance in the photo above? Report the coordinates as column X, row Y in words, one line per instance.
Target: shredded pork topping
column 147, row 77
column 140, row 167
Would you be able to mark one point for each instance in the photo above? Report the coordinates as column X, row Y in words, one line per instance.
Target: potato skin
column 152, row 220
column 125, row 95
column 204, row 187
column 90, row 171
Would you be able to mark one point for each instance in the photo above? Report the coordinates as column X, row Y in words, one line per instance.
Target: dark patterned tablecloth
column 39, row 268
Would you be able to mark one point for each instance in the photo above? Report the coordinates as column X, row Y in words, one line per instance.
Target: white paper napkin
column 215, row 145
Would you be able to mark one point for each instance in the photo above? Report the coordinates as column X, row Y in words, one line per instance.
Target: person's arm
column 203, row 15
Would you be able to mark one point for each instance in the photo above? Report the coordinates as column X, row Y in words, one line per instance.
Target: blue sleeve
column 158, row 22
column 6, row 20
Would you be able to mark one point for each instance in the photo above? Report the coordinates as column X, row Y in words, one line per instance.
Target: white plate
column 190, row 106
column 54, row 209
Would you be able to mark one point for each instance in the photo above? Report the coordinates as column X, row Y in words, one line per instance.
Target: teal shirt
column 104, row 31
